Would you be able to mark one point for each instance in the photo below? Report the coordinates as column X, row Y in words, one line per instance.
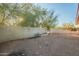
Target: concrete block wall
column 13, row 33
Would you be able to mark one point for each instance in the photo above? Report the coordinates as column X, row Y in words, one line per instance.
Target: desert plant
column 50, row 20
column 69, row 26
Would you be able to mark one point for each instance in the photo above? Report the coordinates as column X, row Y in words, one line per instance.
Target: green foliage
column 8, row 11
column 32, row 15
column 11, row 11
column 69, row 26
column 50, row 20
column 32, row 18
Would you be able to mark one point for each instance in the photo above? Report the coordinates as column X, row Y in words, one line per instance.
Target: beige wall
column 13, row 33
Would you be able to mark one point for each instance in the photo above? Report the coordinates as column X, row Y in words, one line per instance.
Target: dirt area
column 59, row 43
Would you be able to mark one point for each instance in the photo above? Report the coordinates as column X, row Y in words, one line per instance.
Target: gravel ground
column 58, row 43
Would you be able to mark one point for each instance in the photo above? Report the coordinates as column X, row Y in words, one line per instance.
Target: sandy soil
column 59, row 43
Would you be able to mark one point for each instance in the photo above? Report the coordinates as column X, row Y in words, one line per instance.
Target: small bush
column 70, row 27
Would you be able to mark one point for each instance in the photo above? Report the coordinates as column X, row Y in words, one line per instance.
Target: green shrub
column 70, row 27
